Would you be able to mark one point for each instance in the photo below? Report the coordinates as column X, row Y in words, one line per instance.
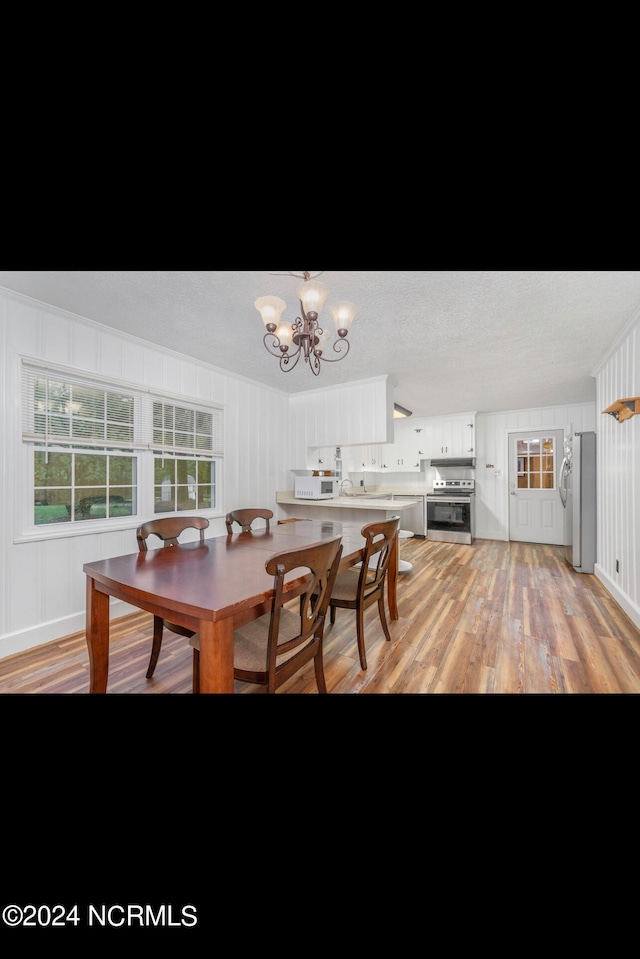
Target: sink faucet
column 342, row 492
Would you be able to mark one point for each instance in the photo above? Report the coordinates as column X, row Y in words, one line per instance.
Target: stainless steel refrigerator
column 578, row 495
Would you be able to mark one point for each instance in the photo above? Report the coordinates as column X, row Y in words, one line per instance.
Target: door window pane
column 536, row 460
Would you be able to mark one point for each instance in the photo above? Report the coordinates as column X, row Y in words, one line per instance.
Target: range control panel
column 462, row 485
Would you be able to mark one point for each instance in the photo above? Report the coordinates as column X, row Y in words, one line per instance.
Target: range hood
column 468, row 462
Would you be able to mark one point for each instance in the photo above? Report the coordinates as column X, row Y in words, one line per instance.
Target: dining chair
column 168, row 529
column 245, row 517
column 269, row 650
column 357, row 588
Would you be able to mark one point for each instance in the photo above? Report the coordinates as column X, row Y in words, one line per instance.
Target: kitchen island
column 357, row 508
column 350, row 508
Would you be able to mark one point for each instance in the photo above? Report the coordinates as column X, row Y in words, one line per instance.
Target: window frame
column 143, row 449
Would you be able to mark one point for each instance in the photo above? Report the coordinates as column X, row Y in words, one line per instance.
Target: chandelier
column 310, row 339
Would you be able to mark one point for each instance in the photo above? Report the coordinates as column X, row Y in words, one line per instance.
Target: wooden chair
column 168, row 530
column 269, row 650
column 245, row 517
column 358, row 588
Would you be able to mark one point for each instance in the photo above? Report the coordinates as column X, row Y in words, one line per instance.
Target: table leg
column 97, row 635
column 392, row 581
column 216, row 656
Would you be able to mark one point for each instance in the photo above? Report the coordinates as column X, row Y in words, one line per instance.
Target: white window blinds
column 60, row 407
column 178, row 428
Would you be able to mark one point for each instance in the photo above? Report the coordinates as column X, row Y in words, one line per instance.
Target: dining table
column 211, row 588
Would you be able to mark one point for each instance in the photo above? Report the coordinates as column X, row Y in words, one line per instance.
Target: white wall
column 42, row 586
column 618, row 377
column 492, row 429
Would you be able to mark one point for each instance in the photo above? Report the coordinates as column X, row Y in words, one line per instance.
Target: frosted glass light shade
column 285, row 334
column 313, row 296
column 270, row 308
column 343, row 314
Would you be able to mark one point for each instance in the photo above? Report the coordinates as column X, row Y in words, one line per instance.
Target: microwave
column 315, row 487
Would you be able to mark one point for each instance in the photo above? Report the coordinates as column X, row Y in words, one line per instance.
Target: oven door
column 450, row 519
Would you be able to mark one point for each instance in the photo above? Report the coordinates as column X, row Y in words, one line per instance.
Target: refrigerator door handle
column 562, row 486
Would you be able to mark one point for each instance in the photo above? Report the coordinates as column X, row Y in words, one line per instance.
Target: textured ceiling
column 452, row 341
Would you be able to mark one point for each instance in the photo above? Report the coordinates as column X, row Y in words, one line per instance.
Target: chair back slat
column 358, row 589
column 321, row 559
column 245, row 517
column 169, row 528
column 380, row 539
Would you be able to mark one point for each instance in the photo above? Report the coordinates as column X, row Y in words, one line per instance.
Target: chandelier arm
column 286, row 357
column 275, row 349
column 337, row 348
column 300, row 276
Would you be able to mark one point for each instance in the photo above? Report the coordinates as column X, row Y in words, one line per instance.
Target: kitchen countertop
column 361, row 501
column 399, row 490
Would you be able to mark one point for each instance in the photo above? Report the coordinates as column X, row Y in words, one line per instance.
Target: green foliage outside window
column 182, row 484
column 74, row 486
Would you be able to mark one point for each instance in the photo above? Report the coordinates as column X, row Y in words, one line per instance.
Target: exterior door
column 536, row 514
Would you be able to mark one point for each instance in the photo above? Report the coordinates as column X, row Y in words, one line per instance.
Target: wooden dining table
column 211, row 589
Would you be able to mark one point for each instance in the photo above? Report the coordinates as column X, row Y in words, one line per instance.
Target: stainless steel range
column 451, row 511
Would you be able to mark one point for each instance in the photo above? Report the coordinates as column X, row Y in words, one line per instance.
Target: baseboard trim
column 44, row 633
column 625, row 603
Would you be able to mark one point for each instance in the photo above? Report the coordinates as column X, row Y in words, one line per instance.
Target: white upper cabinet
column 359, row 412
column 417, row 438
column 322, row 458
column 410, row 445
column 366, row 459
column 452, row 436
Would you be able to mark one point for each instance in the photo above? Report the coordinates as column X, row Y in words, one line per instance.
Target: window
column 536, row 463
column 73, row 486
column 183, row 482
column 103, row 451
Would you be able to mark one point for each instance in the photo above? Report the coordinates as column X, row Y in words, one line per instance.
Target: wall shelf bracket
column 624, row 409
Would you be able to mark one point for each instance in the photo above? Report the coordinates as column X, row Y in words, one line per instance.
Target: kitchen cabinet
column 452, row 436
column 357, row 413
column 366, row 459
column 369, row 459
column 414, row 519
column 410, row 446
column 322, row 458
column 415, row 439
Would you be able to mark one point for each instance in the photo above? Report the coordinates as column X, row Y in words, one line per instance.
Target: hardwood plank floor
column 492, row 617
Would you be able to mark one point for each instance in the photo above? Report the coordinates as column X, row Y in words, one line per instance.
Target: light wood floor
column 493, row 617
